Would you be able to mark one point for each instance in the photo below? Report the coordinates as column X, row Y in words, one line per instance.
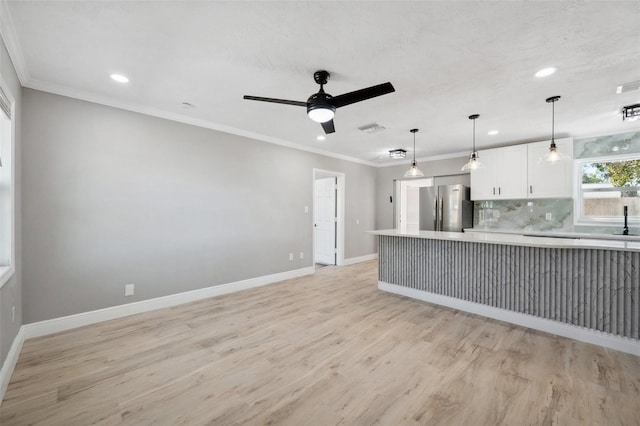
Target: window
column 7, row 179
column 605, row 186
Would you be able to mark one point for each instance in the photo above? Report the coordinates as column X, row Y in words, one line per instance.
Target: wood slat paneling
column 597, row 289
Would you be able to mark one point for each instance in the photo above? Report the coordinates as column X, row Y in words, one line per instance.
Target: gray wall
column 11, row 293
column 113, row 197
column 386, row 176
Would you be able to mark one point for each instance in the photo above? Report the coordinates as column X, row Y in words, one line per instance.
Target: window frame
column 8, row 270
column 579, row 217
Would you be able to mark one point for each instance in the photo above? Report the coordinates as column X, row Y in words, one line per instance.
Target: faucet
column 625, row 230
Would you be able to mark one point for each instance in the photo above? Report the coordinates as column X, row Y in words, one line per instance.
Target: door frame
column 400, row 190
column 340, row 212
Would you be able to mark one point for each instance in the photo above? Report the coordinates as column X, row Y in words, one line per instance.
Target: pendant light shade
column 553, row 155
column 474, row 159
column 414, row 171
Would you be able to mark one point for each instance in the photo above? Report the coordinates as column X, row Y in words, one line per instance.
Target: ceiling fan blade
column 275, row 101
column 362, row 94
column 328, row 127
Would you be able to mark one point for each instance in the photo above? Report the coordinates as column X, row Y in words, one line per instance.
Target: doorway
column 407, row 209
column 328, row 217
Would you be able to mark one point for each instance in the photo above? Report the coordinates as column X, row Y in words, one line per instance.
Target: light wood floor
column 320, row 350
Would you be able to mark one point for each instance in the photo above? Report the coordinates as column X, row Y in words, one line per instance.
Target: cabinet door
column 511, row 172
column 550, row 180
column 483, row 179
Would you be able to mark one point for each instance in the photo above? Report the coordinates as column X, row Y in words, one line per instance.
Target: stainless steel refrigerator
column 446, row 208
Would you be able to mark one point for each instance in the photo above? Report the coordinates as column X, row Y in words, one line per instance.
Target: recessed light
column 545, row 72
column 493, row 132
column 119, row 78
column 320, row 138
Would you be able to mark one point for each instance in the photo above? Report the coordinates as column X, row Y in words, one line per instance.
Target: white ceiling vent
column 628, row 87
column 372, row 128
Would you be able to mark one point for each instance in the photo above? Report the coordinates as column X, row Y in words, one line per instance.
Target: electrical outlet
column 290, row 256
column 301, row 255
column 548, row 216
column 13, row 315
column 129, row 290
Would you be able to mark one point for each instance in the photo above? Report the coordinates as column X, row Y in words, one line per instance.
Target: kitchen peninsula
column 584, row 289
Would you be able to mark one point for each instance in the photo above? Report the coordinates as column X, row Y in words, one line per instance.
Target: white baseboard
column 10, row 362
column 582, row 334
column 56, row 325
column 354, row 260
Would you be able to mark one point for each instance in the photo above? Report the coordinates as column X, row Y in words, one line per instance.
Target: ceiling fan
column 321, row 106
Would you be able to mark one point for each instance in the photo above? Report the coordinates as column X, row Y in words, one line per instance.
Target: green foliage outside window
column 617, row 173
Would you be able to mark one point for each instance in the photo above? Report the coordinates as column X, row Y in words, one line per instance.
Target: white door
column 408, row 204
column 413, row 209
column 324, row 213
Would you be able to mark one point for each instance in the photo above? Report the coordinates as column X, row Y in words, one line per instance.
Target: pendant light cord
column 553, row 100
column 553, row 121
column 414, row 147
column 474, row 135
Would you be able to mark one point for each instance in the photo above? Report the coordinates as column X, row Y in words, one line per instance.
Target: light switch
column 306, row 209
column 548, row 216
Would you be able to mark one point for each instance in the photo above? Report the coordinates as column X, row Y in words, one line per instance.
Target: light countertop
column 559, row 234
column 518, row 240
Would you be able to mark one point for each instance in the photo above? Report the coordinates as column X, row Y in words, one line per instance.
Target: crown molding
column 154, row 112
column 10, row 39
column 429, row 158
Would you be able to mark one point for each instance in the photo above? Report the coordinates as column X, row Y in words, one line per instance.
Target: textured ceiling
column 447, row 60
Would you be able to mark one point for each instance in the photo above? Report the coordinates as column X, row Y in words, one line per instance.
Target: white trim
column 365, row 258
column 56, row 325
column 12, row 43
column 582, row 334
column 578, row 215
column 430, row 158
column 10, row 362
column 6, row 272
column 10, row 162
column 206, row 124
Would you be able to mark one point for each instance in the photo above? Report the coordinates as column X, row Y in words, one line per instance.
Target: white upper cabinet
column 515, row 172
column 483, row 180
column 504, row 175
column 550, row 180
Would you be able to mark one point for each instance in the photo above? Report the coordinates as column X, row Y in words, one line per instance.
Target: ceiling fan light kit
column 321, row 106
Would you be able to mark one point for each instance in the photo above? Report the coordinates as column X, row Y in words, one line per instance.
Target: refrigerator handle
column 440, row 215
column 435, row 214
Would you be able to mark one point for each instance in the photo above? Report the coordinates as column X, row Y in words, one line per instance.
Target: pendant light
column 474, row 159
column 414, row 171
column 553, row 155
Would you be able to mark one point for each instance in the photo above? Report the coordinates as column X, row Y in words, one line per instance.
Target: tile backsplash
column 604, row 146
column 526, row 215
